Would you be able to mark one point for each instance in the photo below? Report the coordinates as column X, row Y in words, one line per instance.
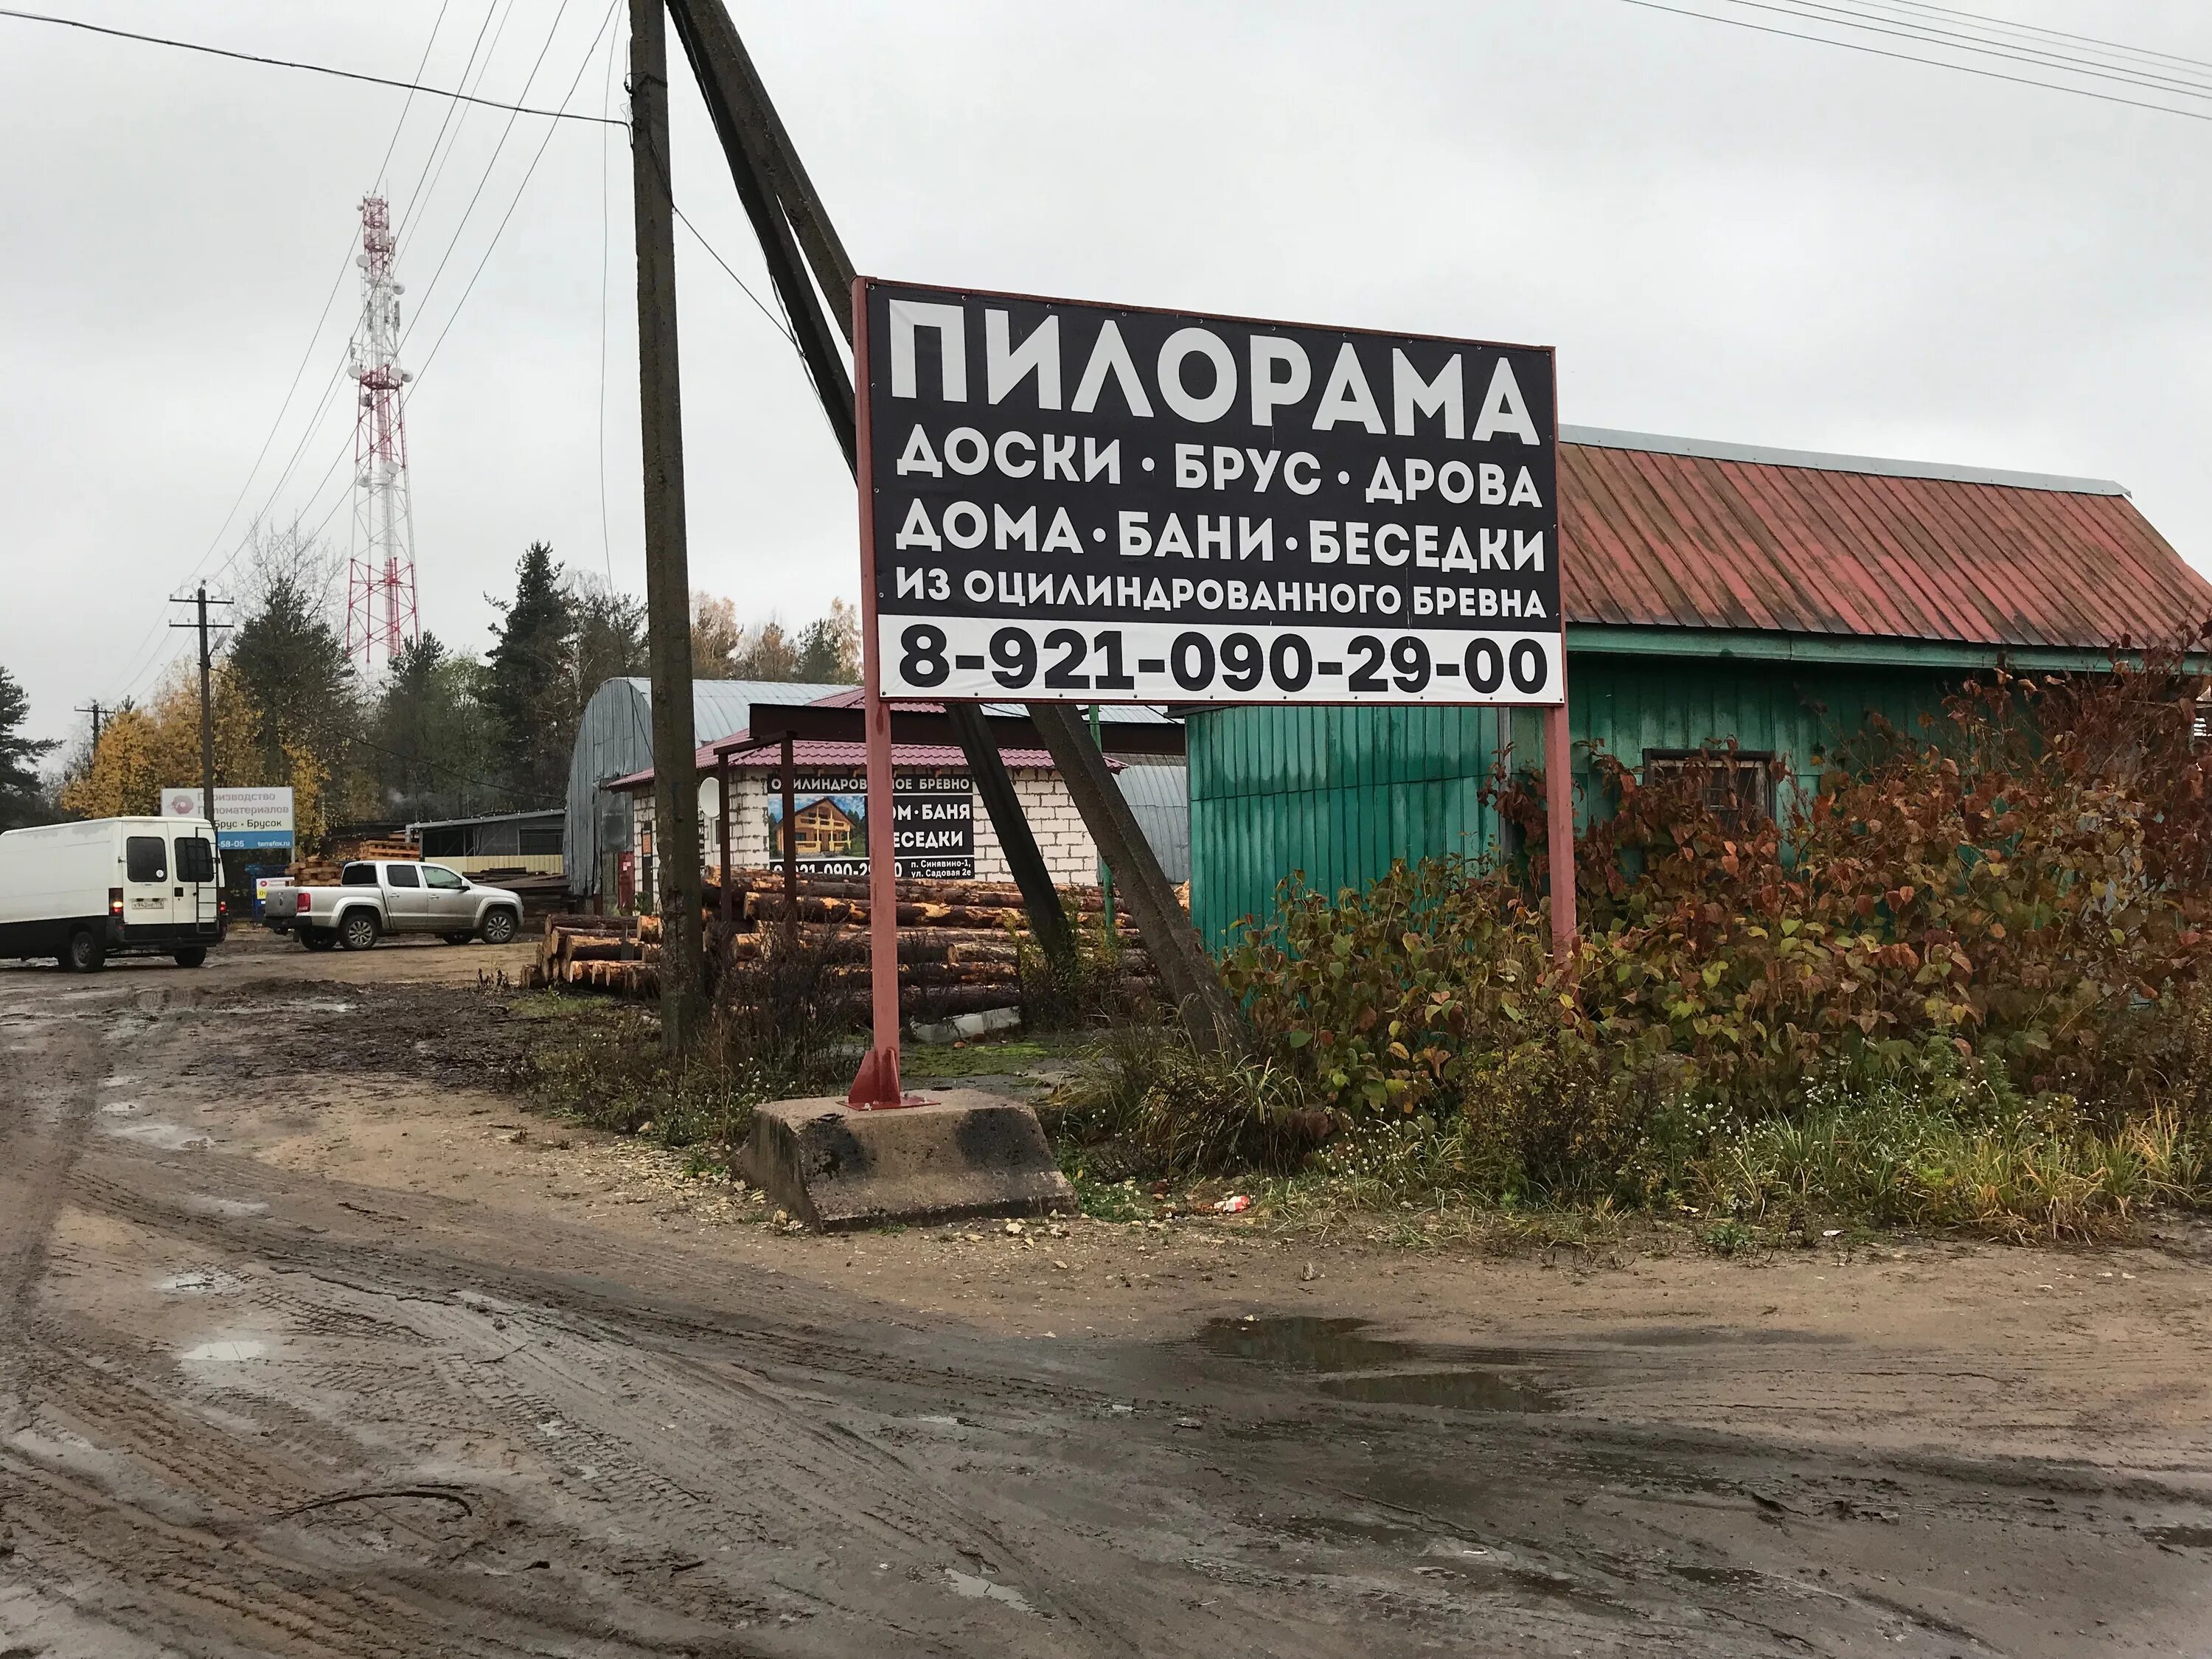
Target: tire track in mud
column 793, row 1479
column 771, row 1466
column 612, row 1362
column 45, row 1116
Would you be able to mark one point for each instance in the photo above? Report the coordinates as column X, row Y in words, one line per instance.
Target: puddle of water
column 233, row 1208
column 1466, row 1391
column 1299, row 1342
column 169, row 1137
column 201, row 1281
column 1354, row 1366
column 228, row 1351
column 1701, row 1336
column 978, row 1589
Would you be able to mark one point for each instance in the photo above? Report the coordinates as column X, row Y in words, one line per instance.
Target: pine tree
column 432, row 745
column 293, row 668
column 527, row 689
column 23, row 797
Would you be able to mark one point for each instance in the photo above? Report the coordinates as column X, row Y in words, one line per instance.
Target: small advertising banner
column 933, row 825
column 243, row 819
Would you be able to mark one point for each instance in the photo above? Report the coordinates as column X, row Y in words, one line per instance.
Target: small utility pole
column 199, row 601
column 667, row 573
column 96, row 711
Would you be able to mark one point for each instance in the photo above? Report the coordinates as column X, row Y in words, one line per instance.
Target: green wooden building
column 1713, row 593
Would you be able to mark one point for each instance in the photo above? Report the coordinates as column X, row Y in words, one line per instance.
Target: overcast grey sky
column 1727, row 234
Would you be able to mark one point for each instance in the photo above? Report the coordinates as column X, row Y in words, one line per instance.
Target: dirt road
column 315, row 1345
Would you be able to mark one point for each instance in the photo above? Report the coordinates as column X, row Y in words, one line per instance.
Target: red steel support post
column 1559, row 815
column 791, row 846
column 878, row 1084
column 722, row 801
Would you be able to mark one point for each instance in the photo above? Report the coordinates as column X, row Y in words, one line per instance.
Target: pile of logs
column 958, row 947
column 621, row 954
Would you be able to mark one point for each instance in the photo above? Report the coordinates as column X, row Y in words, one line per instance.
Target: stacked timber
column 621, row 954
column 960, row 943
column 324, row 872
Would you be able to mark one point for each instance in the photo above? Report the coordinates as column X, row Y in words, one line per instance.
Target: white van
column 84, row 893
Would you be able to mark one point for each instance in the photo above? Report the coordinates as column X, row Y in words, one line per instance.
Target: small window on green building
column 1738, row 786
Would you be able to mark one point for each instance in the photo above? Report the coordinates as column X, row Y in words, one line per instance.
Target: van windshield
column 358, row 875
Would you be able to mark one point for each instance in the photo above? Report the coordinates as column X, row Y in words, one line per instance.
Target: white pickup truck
column 375, row 897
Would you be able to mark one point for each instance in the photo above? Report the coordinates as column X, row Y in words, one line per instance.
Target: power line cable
column 606, row 102
column 461, row 225
column 574, row 82
column 1845, row 16
column 314, row 338
column 779, row 324
column 1909, row 57
column 436, row 24
column 262, row 454
column 407, row 222
column 2004, row 26
column 288, row 62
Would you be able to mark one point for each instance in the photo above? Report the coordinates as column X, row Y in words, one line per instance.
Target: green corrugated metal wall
column 1338, row 793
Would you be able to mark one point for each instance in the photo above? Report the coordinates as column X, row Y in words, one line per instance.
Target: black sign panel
column 932, row 823
column 1086, row 503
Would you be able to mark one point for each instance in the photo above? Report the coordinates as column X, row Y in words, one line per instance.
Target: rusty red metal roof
column 1663, row 532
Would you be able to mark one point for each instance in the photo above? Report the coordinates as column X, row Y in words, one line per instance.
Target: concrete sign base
column 962, row 1155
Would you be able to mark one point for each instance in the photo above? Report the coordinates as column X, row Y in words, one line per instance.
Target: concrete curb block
column 965, row 1154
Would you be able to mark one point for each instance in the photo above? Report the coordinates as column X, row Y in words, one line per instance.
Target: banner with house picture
column 933, row 825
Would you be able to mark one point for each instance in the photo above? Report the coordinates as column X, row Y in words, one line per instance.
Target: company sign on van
column 243, row 819
column 1096, row 504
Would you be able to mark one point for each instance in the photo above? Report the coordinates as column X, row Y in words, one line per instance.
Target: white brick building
column 755, row 791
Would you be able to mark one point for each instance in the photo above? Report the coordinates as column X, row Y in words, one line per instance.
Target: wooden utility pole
column 199, row 602
column 797, row 238
column 667, row 564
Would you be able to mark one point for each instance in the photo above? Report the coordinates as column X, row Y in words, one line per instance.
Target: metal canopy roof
column 1668, row 533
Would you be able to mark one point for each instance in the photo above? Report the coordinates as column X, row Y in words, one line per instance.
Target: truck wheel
column 318, row 939
column 83, row 954
column 499, row 927
column 191, row 956
column 358, row 931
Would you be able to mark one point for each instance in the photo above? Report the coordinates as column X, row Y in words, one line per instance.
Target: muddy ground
column 317, row 1342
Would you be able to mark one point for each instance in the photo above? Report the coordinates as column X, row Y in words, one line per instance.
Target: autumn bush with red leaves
column 1997, row 928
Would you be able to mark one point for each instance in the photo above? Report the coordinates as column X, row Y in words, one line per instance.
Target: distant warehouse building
column 1713, row 593
column 509, row 843
column 614, row 738
column 943, row 828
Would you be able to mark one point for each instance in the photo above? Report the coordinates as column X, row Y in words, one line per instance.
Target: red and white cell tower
column 381, row 578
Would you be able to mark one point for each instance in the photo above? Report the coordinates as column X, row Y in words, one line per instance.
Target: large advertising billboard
column 1092, row 503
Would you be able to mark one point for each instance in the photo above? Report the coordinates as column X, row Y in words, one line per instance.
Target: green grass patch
column 929, row 1062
